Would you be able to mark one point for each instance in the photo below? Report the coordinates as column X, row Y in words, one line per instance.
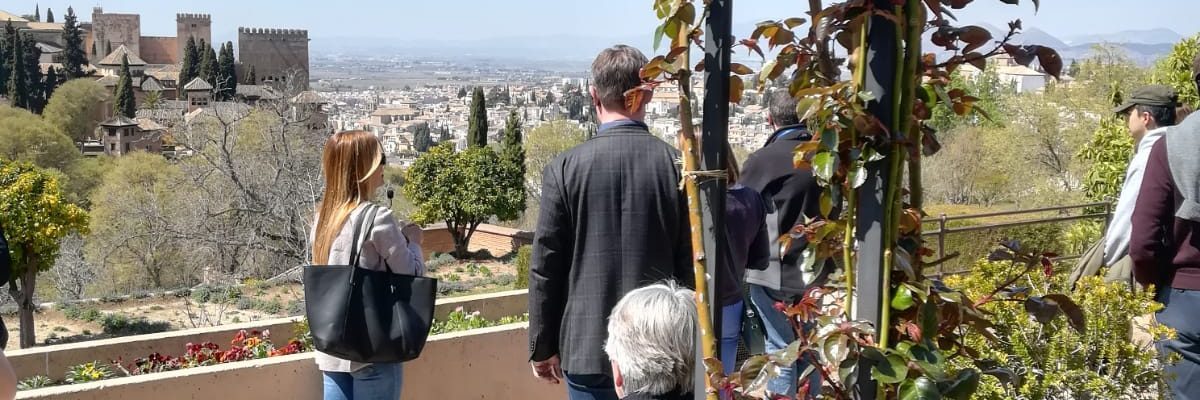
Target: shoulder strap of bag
column 362, row 227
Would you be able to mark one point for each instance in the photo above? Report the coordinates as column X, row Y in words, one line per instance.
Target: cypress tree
column 226, row 73
column 107, row 47
column 125, row 104
column 33, row 76
column 252, row 78
column 74, row 57
column 94, row 49
column 422, row 138
column 37, row 12
column 49, row 15
column 6, row 54
column 445, row 135
column 52, row 80
column 190, row 67
column 462, row 92
column 478, row 125
column 18, row 93
column 512, row 161
column 208, row 65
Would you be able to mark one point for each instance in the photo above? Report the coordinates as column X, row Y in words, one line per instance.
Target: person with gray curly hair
column 652, row 343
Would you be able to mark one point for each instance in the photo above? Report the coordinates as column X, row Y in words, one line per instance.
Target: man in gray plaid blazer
column 612, row 219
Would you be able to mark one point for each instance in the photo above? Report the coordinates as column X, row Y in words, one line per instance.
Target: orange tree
column 868, row 132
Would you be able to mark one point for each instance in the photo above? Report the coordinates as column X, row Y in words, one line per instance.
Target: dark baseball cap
column 1153, row 95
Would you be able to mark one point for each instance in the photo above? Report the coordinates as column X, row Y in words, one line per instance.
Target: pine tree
column 33, row 76
column 125, row 104
column 478, row 125
column 190, row 68
column 18, row 93
column 74, row 57
column 49, row 15
column 208, row 64
column 37, row 12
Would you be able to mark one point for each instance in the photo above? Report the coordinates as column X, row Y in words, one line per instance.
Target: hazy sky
column 465, row 19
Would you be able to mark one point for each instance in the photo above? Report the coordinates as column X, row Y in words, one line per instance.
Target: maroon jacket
column 1165, row 249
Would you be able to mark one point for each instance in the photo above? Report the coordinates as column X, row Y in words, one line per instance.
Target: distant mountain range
column 1143, row 46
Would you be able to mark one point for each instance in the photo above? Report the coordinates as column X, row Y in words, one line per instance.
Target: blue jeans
column 780, row 334
column 590, row 387
column 1179, row 313
column 373, row 382
column 731, row 331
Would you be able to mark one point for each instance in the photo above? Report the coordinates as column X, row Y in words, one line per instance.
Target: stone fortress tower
column 113, row 30
column 198, row 26
column 275, row 54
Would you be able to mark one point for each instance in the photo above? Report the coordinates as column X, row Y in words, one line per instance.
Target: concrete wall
column 483, row 364
column 496, row 239
column 53, row 361
column 275, row 53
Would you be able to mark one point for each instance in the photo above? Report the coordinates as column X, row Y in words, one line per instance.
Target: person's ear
column 595, row 97
column 618, row 380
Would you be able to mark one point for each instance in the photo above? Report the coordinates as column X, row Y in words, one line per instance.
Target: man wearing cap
column 1165, row 247
column 1150, row 110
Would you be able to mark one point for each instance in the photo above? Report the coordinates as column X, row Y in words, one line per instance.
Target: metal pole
column 882, row 51
column 718, row 39
column 941, row 243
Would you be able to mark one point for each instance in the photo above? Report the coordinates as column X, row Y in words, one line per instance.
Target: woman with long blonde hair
column 353, row 164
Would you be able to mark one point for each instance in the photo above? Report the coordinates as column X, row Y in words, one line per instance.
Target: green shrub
column 295, row 308
column 483, row 254
column 269, row 307
column 1054, row 361
column 35, row 382
column 523, row 257
column 460, row 320
column 245, row 303
column 202, row 294
column 453, row 278
column 232, row 293
column 121, row 325
column 438, row 260
column 1080, row 235
column 89, row 372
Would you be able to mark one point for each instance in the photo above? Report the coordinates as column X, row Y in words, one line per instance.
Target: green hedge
column 976, row 245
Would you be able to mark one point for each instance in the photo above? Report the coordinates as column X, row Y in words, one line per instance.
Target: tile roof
column 119, row 120
column 114, row 58
column 197, row 84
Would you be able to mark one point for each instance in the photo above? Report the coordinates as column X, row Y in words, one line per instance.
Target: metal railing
column 1065, row 212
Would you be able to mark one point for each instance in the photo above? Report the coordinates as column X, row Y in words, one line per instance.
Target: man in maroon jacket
column 1165, row 247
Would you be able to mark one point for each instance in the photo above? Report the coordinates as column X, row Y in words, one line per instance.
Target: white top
column 383, row 242
column 1116, row 240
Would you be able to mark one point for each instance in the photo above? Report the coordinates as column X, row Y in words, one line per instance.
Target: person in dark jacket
column 1165, row 248
column 612, row 219
column 792, row 195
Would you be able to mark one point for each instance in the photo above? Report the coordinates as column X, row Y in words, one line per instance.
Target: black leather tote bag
column 365, row 315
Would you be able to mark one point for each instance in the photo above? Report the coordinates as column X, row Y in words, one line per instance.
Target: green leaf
column 659, row 33
column 752, row 368
column 963, row 386
column 826, row 204
column 687, row 13
column 836, row 349
column 893, row 370
column 903, row 299
column 930, row 360
column 792, row 23
column 789, row 354
column 920, row 389
column 929, row 319
column 824, row 163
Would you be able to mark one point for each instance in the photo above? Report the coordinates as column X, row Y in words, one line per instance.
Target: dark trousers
column 590, row 387
column 1179, row 314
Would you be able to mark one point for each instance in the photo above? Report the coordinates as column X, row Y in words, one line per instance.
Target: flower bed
column 244, row 346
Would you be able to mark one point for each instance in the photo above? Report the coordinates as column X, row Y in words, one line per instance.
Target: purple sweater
column 1165, row 249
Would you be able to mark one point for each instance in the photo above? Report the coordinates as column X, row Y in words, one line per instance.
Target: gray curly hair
column 652, row 339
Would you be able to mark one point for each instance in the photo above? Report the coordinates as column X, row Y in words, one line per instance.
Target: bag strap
column 366, row 219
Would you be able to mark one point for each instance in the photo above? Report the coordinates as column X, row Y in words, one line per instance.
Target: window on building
column 112, row 132
column 112, row 147
column 126, row 148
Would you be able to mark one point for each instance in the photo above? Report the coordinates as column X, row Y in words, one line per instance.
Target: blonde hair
column 350, row 158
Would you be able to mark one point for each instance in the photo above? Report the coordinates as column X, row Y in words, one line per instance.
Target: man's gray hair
column 615, row 71
column 782, row 107
column 652, row 339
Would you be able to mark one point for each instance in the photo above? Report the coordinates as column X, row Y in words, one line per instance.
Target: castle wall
column 159, row 50
column 275, row 54
column 118, row 29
